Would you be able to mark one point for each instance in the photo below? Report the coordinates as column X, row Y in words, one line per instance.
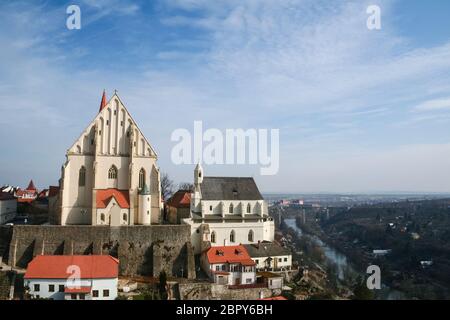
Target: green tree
column 361, row 292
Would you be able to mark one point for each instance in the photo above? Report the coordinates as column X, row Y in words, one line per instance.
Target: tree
column 166, row 186
column 361, row 292
column 163, row 285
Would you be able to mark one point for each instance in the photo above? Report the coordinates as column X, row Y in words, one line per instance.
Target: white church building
column 110, row 176
column 227, row 211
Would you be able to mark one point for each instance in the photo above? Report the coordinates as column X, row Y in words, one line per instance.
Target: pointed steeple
column 103, row 103
column 31, row 186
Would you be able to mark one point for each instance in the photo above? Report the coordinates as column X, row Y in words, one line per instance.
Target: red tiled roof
column 103, row 102
column 57, row 267
column 31, row 186
column 104, row 196
column 181, row 199
column 53, row 191
column 229, row 254
column 78, row 290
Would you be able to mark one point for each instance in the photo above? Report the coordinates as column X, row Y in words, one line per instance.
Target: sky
column 358, row 110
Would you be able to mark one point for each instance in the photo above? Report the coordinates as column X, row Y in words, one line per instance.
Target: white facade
column 8, row 210
column 111, row 153
column 276, row 263
column 98, row 289
column 230, row 222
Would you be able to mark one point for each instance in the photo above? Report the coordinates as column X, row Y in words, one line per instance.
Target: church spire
column 103, row 103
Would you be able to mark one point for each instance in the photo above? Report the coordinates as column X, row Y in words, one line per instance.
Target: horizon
column 358, row 110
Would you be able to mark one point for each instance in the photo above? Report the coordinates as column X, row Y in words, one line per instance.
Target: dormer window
column 219, row 252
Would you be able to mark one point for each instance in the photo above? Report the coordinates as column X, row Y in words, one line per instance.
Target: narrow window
column 213, row 237
column 231, row 209
column 232, row 236
column 112, row 173
column 141, row 178
column 82, row 177
column 210, row 208
column 250, row 236
column 249, row 208
column 125, row 217
column 102, row 217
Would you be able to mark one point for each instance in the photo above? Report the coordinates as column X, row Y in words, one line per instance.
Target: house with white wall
column 90, row 277
column 270, row 256
column 229, row 265
column 227, row 211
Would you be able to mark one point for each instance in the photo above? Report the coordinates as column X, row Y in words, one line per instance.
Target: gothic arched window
column 231, row 209
column 250, row 236
column 213, row 237
column 249, row 208
column 112, row 173
column 141, row 178
column 232, row 236
column 82, row 177
column 102, row 217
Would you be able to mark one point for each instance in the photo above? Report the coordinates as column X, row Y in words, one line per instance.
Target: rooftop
column 229, row 254
column 266, row 249
column 58, row 267
column 229, row 188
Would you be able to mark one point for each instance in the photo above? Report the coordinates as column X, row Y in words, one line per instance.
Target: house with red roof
column 27, row 195
column 89, row 277
column 178, row 206
column 229, row 265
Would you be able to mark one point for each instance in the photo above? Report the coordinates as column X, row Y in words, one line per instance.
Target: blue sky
column 358, row 110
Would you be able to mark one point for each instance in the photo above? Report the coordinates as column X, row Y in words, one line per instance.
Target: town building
column 110, row 175
column 227, row 211
column 269, row 256
column 178, row 207
column 28, row 195
column 229, row 265
column 89, row 277
column 270, row 280
column 8, row 207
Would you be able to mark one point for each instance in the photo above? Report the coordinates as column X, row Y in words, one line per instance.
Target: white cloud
column 433, row 105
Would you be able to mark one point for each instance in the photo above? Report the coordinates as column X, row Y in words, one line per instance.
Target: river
column 342, row 263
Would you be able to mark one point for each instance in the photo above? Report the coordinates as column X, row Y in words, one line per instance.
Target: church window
column 102, row 217
column 107, row 122
column 125, row 217
column 231, row 209
column 92, row 141
column 99, row 132
column 213, row 237
column 141, row 178
column 210, row 208
column 82, row 177
column 115, row 112
column 112, row 173
column 232, row 236
column 249, row 208
column 121, row 123
column 250, row 236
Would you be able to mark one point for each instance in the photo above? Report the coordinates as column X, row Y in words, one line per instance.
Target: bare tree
column 166, row 186
column 186, row 186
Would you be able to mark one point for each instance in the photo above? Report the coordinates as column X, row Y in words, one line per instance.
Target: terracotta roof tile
column 229, row 254
column 104, row 196
column 56, row 267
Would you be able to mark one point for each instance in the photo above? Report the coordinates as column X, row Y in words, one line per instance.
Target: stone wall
column 5, row 238
column 212, row 291
column 143, row 250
